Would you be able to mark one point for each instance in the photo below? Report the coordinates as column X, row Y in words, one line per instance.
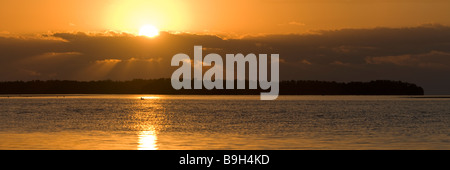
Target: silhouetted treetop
column 163, row 86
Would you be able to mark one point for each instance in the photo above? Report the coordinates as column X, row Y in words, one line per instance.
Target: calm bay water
column 223, row 122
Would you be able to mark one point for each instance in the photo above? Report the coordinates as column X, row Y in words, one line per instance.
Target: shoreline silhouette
column 163, row 86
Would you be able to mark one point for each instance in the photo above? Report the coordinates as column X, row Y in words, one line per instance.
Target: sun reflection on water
column 149, row 97
column 147, row 122
column 147, row 140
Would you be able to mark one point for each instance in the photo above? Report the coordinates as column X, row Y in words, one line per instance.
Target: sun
column 149, row 31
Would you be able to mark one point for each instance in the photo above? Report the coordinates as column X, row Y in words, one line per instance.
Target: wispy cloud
column 296, row 23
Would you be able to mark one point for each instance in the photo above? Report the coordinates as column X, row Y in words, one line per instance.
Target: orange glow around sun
column 146, row 17
column 149, row 31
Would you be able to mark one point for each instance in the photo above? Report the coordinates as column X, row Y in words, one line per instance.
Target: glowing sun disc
column 149, row 31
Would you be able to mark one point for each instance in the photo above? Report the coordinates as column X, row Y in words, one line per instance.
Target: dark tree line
column 163, row 86
column 378, row 87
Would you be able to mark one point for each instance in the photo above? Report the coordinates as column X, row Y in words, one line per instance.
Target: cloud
column 416, row 54
column 106, row 61
column 296, row 23
column 431, row 60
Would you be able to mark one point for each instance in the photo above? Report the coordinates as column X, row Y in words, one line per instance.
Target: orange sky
column 219, row 16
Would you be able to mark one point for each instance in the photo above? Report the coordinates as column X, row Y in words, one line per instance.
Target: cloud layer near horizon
column 417, row 54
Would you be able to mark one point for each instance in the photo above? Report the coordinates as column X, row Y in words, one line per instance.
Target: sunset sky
column 332, row 40
column 218, row 16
